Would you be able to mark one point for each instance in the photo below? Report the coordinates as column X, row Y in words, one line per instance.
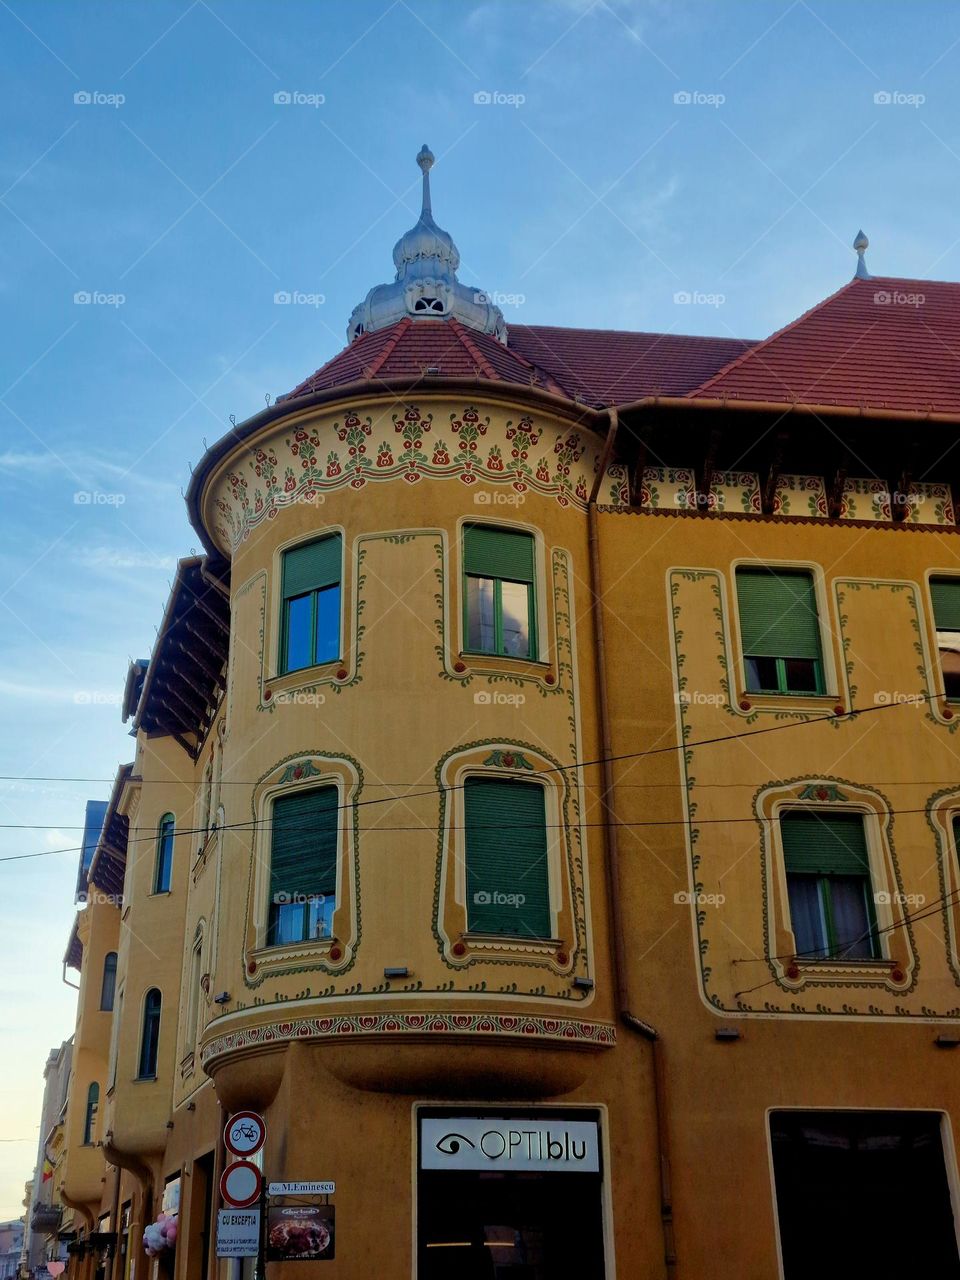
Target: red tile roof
column 610, row 366
column 595, row 366
column 413, row 348
column 883, row 342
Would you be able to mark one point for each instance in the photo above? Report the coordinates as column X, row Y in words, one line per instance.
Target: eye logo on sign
column 449, row 1144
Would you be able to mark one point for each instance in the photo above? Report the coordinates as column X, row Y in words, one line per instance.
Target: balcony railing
column 45, row 1218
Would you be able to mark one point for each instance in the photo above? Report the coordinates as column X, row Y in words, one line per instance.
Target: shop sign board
column 515, row 1142
column 238, row 1233
column 300, row 1233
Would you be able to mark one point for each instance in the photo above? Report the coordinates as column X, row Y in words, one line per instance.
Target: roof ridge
column 388, row 348
column 761, row 346
column 474, row 350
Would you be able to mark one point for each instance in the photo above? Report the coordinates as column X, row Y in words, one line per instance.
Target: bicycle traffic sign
column 245, row 1133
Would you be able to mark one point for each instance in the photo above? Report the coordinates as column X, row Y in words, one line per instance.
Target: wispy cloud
column 104, row 557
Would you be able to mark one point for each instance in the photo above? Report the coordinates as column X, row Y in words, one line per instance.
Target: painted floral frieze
column 409, row 443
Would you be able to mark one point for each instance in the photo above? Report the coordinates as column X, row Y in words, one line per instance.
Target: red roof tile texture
column 418, row 348
column 883, row 343
column 595, row 366
column 610, row 366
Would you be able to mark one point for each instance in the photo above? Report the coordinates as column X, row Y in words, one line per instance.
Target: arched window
column 90, row 1121
column 150, row 1038
column 109, row 985
column 165, row 833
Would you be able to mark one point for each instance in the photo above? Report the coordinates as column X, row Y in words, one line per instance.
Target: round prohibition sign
column 241, row 1184
column 244, row 1133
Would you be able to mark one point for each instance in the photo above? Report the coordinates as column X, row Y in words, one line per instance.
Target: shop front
column 517, row 1195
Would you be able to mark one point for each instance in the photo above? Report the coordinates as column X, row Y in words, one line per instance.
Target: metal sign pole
column 261, row 1271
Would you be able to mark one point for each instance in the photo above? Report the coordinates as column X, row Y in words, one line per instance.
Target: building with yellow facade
column 543, row 807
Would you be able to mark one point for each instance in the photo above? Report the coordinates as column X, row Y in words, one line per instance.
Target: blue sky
column 182, row 198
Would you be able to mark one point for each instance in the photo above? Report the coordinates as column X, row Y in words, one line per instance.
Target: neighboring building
column 11, row 1245
column 446, row 844
column 47, row 1223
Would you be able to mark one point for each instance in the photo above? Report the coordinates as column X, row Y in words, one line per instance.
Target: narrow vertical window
column 90, row 1119
column 164, row 865
column 828, row 885
column 303, row 866
column 150, row 1036
column 196, row 991
column 499, row 598
column 507, row 872
column 115, row 1039
column 780, row 631
column 946, row 618
column 310, row 623
column 109, row 983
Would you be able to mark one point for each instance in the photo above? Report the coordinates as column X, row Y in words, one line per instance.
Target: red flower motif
column 289, row 484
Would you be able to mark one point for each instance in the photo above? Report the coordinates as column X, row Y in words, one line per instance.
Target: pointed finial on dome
column 861, row 244
column 425, row 159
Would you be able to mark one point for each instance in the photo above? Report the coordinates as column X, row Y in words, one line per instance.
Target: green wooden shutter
column 498, row 553
column 506, row 841
column 311, row 567
column 946, row 603
column 778, row 614
column 303, row 850
column 825, row 844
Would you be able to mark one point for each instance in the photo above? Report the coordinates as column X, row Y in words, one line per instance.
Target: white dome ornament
column 861, row 244
column 426, row 285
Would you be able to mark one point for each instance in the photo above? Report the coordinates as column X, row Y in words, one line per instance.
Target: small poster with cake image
column 300, row 1233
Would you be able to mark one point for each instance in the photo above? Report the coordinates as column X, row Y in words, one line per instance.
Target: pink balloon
column 56, row 1268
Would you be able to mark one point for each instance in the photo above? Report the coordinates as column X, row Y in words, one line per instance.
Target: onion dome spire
column 426, row 285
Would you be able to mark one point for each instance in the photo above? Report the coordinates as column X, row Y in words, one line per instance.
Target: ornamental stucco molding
column 568, row 1031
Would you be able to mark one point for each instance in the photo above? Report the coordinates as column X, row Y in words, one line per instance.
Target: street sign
column 245, row 1133
column 241, row 1184
column 238, row 1233
column 301, row 1188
